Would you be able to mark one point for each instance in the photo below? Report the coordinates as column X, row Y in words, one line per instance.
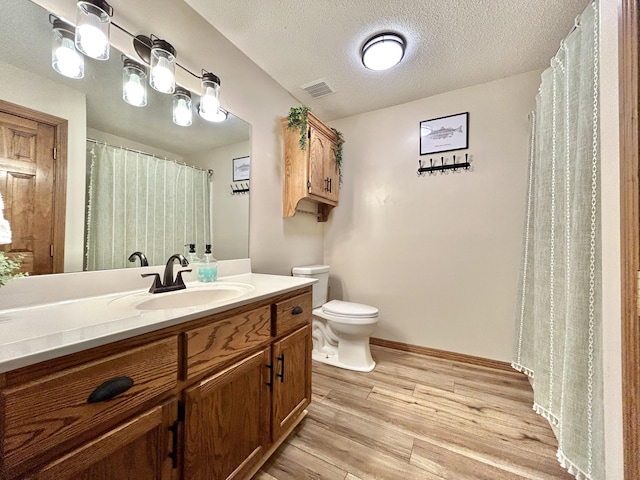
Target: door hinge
column 55, row 153
column 51, row 250
column 308, row 184
column 309, row 133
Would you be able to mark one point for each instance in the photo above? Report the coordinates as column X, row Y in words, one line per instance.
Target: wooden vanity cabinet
column 292, row 380
column 211, row 398
column 312, row 173
column 138, row 449
column 227, row 421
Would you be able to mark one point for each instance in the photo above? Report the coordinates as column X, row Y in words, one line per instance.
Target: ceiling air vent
column 317, row 89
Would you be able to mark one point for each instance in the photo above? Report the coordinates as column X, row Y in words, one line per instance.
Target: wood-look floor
column 414, row 418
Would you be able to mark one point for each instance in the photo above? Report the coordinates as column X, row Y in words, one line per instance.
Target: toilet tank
column 321, row 288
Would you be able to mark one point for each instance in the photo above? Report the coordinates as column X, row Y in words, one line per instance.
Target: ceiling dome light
column 93, row 19
column 383, row 51
column 220, row 115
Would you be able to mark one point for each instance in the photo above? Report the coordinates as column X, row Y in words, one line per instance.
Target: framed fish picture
column 241, row 168
column 444, row 134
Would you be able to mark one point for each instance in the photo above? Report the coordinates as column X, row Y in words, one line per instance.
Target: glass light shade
column 218, row 116
column 93, row 19
column 383, row 51
column 210, row 98
column 134, row 84
column 163, row 67
column 65, row 59
column 182, row 114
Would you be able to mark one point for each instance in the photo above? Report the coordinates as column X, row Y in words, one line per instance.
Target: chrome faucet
column 169, row 284
column 141, row 256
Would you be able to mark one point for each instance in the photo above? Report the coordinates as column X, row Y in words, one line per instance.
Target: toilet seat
column 338, row 311
column 339, row 308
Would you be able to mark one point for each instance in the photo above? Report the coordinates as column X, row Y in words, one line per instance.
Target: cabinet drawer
column 221, row 341
column 291, row 314
column 42, row 414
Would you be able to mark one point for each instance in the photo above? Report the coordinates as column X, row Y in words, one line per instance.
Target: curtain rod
column 133, row 150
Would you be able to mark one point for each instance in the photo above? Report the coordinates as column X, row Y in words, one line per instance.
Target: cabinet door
column 320, row 152
column 141, row 448
column 292, row 379
column 227, row 421
column 331, row 174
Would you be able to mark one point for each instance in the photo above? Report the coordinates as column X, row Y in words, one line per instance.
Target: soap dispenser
column 191, row 255
column 208, row 271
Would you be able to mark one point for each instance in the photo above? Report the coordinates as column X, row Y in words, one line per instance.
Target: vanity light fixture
column 161, row 58
column 93, row 18
column 210, row 98
column 134, row 82
column 383, row 51
column 65, row 59
column 182, row 114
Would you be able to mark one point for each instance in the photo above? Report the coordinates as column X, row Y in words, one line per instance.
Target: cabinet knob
column 110, row 389
column 296, row 310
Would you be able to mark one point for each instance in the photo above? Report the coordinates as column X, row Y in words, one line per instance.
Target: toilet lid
column 349, row 309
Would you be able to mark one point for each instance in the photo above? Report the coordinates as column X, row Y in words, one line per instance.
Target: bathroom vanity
column 196, row 392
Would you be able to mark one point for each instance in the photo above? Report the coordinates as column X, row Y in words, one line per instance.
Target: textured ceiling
column 451, row 44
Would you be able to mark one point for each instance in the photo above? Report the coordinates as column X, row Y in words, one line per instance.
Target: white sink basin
column 194, row 296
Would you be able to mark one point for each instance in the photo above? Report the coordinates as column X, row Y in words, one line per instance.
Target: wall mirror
column 26, row 38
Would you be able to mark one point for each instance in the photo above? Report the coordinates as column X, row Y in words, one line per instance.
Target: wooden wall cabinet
column 312, row 173
column 211, row 398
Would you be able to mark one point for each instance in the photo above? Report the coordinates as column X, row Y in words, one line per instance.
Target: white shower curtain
column 558, row 340
column 139, row 202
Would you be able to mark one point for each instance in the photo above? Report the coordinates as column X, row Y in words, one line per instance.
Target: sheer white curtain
column 139, row 202
column 559, row 326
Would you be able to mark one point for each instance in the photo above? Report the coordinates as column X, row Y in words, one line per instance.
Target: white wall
column 37, row 93
column 229, row 213
column 438, row 255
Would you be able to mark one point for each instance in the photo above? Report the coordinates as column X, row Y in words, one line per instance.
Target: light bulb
column 162, row 76
column 182, row 113
column 210, row 102
column 67, row 61
column 134, row 91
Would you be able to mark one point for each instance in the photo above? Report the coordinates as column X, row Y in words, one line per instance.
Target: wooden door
column 142, row 448
column 292, row 380
column 227, row 421
column 28, row 188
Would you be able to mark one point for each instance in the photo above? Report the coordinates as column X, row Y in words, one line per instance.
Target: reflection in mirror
column 95, row 110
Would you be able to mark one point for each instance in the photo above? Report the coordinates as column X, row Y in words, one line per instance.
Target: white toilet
column 341, row 330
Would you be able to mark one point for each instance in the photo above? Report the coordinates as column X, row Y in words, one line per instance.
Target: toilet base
column 332, row 359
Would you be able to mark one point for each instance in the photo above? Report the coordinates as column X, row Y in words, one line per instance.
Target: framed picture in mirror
column 241, row 168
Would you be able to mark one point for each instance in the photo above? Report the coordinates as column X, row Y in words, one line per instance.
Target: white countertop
column 32, row 334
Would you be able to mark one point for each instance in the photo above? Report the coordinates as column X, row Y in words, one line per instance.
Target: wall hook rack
column 423, row 169
column 242, row 189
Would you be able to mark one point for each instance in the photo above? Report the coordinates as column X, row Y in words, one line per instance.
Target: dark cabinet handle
column 110, row 389
column 173, row 454
column 296, row 310
column 281, row 374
